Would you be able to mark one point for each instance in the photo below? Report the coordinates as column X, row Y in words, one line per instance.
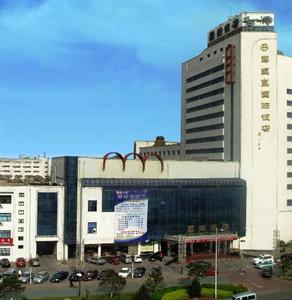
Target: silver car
column 26, row 277
column 95, row 260
column 41, row 277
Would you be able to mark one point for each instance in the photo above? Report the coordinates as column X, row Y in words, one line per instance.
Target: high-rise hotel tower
column 237, row 106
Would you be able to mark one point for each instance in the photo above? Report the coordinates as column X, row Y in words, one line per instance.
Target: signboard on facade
column 131, row 216
column 6, row 241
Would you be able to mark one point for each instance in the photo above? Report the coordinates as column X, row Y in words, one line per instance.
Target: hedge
column 176, row 295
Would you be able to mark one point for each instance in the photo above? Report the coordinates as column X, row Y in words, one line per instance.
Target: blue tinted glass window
column 47, row 213
column 91, row 227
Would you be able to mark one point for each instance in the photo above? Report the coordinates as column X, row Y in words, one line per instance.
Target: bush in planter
column 194, row 290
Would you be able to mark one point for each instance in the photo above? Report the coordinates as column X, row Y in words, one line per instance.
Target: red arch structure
column 157, row 156
column 126, row 156
column 119, row 155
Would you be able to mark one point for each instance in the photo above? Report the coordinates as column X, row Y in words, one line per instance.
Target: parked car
column 137, row 259
column 96, row 260
column 115, row 260
column 75, row 275
column 90, row 275
column 265, row 264
column 26, row 277
column 139, row 272
column 34, row 262
column 41, row 277
column 59, row 276
column 20, row 262
column 267, row 272
column 9, row 273
column 125, row 272
column 171, row 261
column 5, row 263
column 125, row 258
column 103, row 274
column 210, row 271
column 263, row 258
column 156, row 256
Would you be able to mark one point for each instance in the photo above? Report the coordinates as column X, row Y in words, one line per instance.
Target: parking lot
column 229, row 271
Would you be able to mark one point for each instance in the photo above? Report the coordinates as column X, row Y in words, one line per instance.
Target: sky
column 87, row 77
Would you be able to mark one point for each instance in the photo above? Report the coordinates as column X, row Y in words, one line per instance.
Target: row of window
column 204, row 106
column 202, row 151
column 205, row 128
column 205, row 117
column 209, row 54
column 205, row 73
column 205, row 95
column 167, row 152
column 6, row 217
column 205, row 84
column 205, row 139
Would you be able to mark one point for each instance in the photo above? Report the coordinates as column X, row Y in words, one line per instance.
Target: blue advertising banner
column 131, row 216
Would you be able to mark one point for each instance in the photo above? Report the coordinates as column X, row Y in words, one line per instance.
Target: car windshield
column 124, row 271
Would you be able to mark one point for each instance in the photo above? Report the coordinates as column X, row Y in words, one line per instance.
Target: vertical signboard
column 131, row 216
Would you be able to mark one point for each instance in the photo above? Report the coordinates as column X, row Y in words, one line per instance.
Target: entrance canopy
column 202, row 238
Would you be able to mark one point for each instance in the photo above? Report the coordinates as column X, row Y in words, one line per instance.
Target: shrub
column 176, row 295
column 194, row 289
column 157, row 295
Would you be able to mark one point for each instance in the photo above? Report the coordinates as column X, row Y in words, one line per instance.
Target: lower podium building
column 135, row 206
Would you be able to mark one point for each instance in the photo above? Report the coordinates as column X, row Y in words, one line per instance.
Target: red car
column 20, row 262
column 210, row 271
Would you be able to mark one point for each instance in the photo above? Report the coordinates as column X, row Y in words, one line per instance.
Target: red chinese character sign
column 6, row 241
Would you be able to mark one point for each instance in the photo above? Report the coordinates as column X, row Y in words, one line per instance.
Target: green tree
column 194, row 290
column 10, row 286
column 115, row 282
column 143, row 293
column 196, row 270
column 155, row 280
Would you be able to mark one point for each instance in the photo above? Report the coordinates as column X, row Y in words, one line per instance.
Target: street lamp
column 216, row 259
column 79, row 275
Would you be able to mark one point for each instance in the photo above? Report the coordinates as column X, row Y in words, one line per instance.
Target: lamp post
column 216, row 259
column 79, row 286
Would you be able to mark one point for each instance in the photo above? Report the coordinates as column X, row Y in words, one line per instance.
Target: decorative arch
column 135, row 154
column 119, row 155
column 157, row 156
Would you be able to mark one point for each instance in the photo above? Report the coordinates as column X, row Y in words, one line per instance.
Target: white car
column 125, row 272
column 137, row 259
column 263, row 258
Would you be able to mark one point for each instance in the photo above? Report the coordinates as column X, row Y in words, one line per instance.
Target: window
column 204, row 106
column 20, row 229
column 289, row 162
column 289, row 115
column 289, row 202
column 92, row 205
column 20, row 203
column 205, row 84
column 289, row 126
column 210, row 150
column 4, row 251
column 5, row 199
column 289, row 174
column 227, row 28
column 205, row 139
column 206, row 73
column 289, row 103
column 20, row 246
column 205, row 128
column 211, row 36
column 5, row 217
column 91, row 227
column 289, row 186
column 209, row 94
column 21, row 194
column 205, row 117
column 219, row 31
column 21, row 212
column 5, row 233
column 20, row 238
column 20, row 221
column 289, row 91
column 289, row 138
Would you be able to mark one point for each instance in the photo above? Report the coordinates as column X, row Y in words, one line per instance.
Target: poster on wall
column 131, row 216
